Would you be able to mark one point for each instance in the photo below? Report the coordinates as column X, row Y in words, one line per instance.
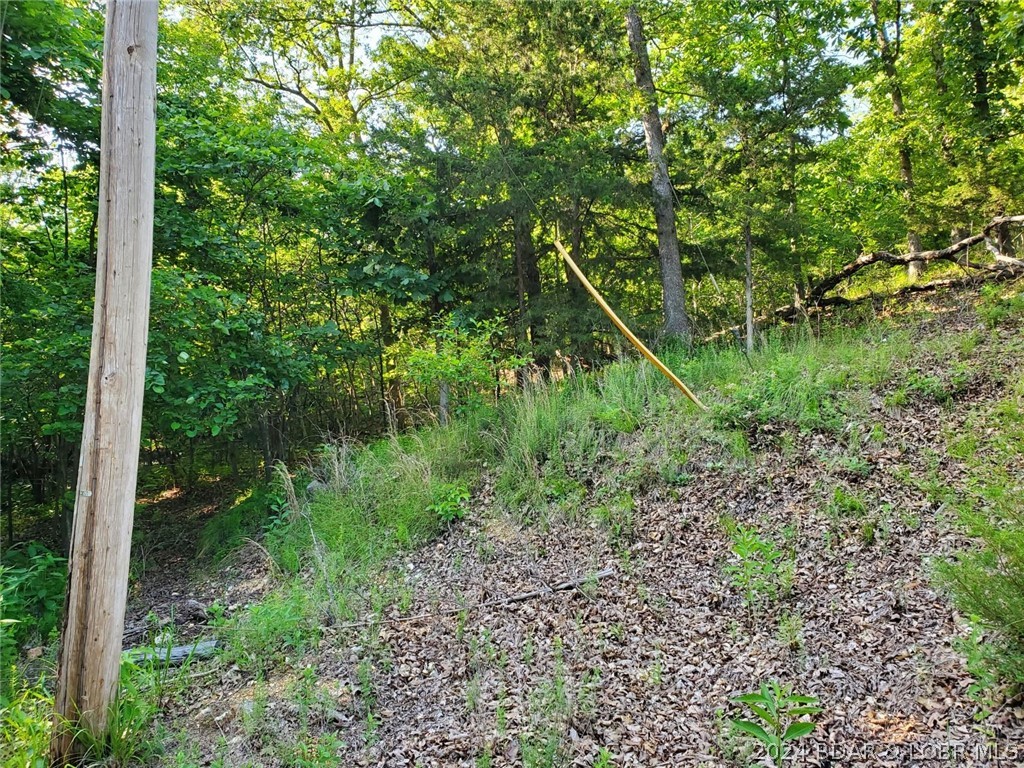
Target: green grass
column 986, row 581
column 807, row 382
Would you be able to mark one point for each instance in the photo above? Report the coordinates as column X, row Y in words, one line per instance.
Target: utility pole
column 90, row 654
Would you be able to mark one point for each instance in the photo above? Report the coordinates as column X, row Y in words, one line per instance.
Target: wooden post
column 90, row 656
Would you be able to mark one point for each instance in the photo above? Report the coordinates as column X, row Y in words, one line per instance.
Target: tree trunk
column 90, row 657
column 528, row 280
column 749, row 253
column 673, row 292
column 888, row 53
column 442, row 404
column 577, row 293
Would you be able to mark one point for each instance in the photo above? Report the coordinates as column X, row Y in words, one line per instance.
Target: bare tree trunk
column 90, row 658
column 528, row 280
column 889, row 52
column 442, row 405
column 673, row 291
column 749, row 252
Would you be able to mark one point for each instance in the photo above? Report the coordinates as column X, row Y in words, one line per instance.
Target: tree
column 889, row 45
column 677, row 323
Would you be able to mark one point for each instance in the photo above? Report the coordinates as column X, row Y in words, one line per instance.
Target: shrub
column 32, row 582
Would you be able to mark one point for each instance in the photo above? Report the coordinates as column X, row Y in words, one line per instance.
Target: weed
column 449, row 502
column 998, row 304
column 778, row 711
column 791, row 631
column 845, row 504
column 501, row 712
column 27, row 719
column 604, row 758
column 320, row 752
column 529, row 652
column 473, row 689
column 617, row 517
column 259, row 509
column 734, row 750
column 760, row 572
column 550, row 713
column 312, row 703
column 266, row 633
column 254, row 714
column 654, row 674
column 985, row 581
column 867, row 533
column 32, row 580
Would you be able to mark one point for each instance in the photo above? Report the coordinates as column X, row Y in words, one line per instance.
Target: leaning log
column 818, row 298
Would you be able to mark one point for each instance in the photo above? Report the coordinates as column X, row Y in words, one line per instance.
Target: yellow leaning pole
column 625, row 331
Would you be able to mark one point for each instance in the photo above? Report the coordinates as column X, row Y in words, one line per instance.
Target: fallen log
column 1001, row 268
column 949, row 253
column 173, row 656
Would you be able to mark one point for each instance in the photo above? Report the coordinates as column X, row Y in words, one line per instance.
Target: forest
column 387, row 429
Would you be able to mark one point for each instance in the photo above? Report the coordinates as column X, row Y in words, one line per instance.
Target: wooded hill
column 356, row 201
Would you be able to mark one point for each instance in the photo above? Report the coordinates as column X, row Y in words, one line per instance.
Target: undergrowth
column 577, row 449
column 986, row 582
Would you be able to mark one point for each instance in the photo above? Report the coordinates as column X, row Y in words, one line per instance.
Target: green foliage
column 547, row 435
column 760, row 572
column 809, row 383
column 846, row 504
column 466, row 357
column 27, row 720
column 778, row 711
column 250, row 513
column 551, row 708
column 32, row 581
column 993, row 662
column 998, row 304
column 449, row 502
column 985, row 580
column 282, row 626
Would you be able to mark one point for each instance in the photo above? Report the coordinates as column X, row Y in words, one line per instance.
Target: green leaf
column 765, row 715
column 750, row 698
column 754, row 730
column 797, row 730
column 797, row 711
column 806, row 700
column 215, row 429
column 183, row 357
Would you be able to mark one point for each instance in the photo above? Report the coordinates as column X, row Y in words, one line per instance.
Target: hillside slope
column 707, row 562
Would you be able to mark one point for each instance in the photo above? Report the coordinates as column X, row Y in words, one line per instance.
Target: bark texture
column 673, row 291
column 90, row 657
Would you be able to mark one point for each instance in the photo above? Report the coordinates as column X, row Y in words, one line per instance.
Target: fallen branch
column 1003, row 268
column 511, row 600
column 949, row 253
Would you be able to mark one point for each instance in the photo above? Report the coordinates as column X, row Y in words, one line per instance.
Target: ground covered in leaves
column 799, row 556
